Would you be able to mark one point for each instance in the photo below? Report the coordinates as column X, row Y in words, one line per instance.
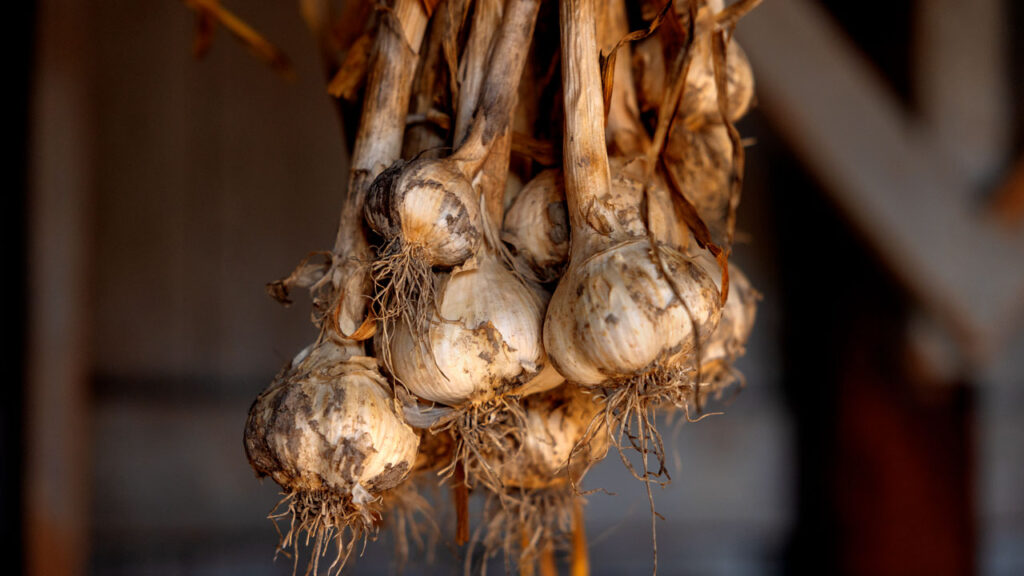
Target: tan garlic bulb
column 537, row 225
column 616, row 316
column 628, row 308
column 700, row 97
column 556, row 429
column 729, row 340
column 485, row 336
column 540, row 466
column 701, row 162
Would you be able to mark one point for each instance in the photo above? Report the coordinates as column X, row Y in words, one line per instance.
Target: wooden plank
column 840, row 119
column 961, row 83
column 60, row 205
column 214, row 177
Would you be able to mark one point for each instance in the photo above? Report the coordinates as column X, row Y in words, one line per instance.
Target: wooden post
column 61, row 183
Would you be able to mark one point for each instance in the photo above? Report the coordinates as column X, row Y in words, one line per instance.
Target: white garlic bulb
column 430, row 208
column 484, row 336
column 537, row 225
column 615, row 315
column 328, row 422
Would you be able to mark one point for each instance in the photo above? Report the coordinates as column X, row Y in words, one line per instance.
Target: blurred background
column 882, row 218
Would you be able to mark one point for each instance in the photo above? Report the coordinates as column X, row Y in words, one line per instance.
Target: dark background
column 153, row 195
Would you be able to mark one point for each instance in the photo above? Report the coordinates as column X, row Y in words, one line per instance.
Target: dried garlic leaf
column 608, row 61
column 352, row 72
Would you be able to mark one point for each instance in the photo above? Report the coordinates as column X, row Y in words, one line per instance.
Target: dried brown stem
column 626, row 135
column 587, row 172
column 678, row 70
column 580, row 556
column 526, row 565
column 431, row 97
column 460, row 493
column 473, row 69
column 378, row 144
column 548, row 567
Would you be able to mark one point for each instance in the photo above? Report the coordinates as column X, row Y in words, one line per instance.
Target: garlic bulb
column 427, row 207
column 537, row 225
column 616, row 316
column 327, row 431
column 540, row 467
column 632, row 190
column 329, row 423
column 729, row 340
column 701, row 162
column 556, row 427
column 485, row 335
column 700, row 98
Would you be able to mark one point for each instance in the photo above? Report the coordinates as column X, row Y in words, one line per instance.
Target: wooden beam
column 836, row 113
column 961, row 83
column 60, row 203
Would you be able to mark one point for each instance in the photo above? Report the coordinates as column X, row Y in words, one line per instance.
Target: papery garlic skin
column 537, row 225
column 485, row 334
column 555, row 424
column 632, row 188
column 614, row 316
column 547, row 379
column 729, row 340
column 329, row 421
column 700, row 98
column 701, row 162
column 429, row 206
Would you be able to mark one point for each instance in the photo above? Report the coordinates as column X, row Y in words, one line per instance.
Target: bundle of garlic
column 458, row 327
column 500, row 334
column 328, row 429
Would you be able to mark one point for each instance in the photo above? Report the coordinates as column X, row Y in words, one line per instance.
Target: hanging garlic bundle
column 428, row 211
column 327, row 431
column 631, row 313
column 632, row 226
column 482, row 337
column 540, row 470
